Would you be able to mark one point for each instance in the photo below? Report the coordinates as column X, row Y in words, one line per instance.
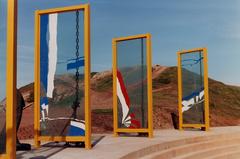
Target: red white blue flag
column 127, row 117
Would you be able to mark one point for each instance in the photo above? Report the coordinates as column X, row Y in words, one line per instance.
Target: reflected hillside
column 224, row 99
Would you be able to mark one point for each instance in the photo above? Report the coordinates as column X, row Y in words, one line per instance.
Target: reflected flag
column 44, row 108
column 48, row 49
column 77, row 128
column 127, row 119
column 75, row 63
column 192, row 99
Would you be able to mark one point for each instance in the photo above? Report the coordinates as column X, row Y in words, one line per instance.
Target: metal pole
column 200, row 58
column 11, row 79
column 142, row 78
column 201, row 78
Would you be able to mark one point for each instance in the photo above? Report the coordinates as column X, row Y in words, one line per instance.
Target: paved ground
column 109, row 147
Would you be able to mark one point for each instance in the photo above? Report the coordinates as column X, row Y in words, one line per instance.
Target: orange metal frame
column 204, row 126
column 11, row 81
column 37, row 136
column 148, row 130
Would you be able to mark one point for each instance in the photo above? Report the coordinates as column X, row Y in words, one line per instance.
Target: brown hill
column 224, row 100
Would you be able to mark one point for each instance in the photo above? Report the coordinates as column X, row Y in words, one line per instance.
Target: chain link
column 77, row 34
column 76, row 103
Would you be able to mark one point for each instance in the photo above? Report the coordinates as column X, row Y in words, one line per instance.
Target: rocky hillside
column 224, row 100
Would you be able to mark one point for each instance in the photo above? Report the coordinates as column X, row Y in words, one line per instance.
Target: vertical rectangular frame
column 87, row 138
column 11, row 53
column 206, row 125
column 148, row 130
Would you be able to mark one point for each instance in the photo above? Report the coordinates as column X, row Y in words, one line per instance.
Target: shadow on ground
column 50, row 149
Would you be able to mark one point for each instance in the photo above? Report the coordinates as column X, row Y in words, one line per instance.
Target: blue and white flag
column 75, row 63
column 44, row 107
column 48, row 48
column 77, row 128
column 194, row 98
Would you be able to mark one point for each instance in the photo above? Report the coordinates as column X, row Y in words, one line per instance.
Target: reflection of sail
column 48, row 58
column 127, row 119
column 191, row 62
column 48, row 52
column 193, row 99
column 75, row 63
column 44, row 108
column 52, row 53
column 77, row 128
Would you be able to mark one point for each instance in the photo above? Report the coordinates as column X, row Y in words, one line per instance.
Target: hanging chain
column 76, row 103
column 77, row 34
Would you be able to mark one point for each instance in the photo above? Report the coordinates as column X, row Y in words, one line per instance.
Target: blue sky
column 174, row 25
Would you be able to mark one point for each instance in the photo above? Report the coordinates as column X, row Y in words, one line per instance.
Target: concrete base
column 108, row 147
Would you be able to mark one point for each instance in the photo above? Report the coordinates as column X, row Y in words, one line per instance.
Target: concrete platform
column 167, row 143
